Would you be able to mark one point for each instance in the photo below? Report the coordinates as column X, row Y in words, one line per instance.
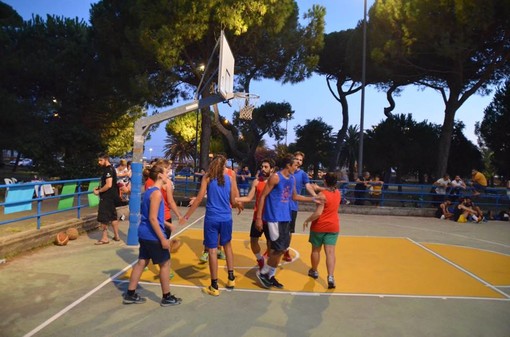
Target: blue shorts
column 213, row 230
column 154, row 251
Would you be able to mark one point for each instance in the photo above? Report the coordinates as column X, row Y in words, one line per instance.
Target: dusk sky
column 311, row 98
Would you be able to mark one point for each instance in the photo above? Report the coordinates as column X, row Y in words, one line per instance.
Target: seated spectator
column 477, row 215
column 462, row 212
column 478, row 181
column 443, row 211
column 441, row 186
column 376, row 185
column 124, row 179
column 458, row 187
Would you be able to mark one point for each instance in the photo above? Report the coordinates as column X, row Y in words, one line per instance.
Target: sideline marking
column 87, row 295
column 479, row 279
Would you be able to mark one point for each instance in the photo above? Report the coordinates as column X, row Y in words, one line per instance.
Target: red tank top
column 258, row 191
column 328, row 221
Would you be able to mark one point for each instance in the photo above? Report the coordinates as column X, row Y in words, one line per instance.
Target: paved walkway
column 76, row 290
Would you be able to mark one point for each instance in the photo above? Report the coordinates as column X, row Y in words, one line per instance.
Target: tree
column 458, row 48
column 494, row 130
column 349, row 151
column 315, row 140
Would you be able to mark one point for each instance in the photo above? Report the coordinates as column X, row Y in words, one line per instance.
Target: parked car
column 26, row 162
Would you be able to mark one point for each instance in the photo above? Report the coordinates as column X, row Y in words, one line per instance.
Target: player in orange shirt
column 325, row 228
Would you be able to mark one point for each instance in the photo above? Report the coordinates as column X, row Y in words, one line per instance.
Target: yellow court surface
column 365, row 266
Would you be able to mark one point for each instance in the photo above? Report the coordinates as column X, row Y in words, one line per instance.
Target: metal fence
column 27, row 199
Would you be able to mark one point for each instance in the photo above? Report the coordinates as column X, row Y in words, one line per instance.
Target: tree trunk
column 445, row 139
column 345, row 124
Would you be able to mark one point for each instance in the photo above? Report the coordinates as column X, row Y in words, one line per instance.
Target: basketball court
column 396, row 276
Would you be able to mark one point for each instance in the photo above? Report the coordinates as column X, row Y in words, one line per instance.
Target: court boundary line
column 476, row 277
column 307, row 293
column 93, row 291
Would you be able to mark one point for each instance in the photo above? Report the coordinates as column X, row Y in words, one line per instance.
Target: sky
column 311, row 98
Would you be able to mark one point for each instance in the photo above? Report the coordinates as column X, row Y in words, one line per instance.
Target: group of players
column 276, row 195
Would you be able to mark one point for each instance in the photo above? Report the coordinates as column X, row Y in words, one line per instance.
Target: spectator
column 360, row 188
column 458, row 187
column 478, row 181
column 462, row 212
column 477, row 214
column 441, row 186
column 443, row 211
column 376, row 190
column 243, row 179
column 344, row 185
column 124, row 179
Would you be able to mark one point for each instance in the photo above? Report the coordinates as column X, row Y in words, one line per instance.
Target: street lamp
column 363, row 73
column 150, row 152
column 286, row 127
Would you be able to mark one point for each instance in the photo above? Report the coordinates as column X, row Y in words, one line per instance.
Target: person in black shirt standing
column 108, row 193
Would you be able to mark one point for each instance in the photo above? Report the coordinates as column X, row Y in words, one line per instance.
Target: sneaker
column 331, row 282
column 205, row 257
column 264, row 279
column 221, row 255
column 287, row 257
column 275, row 283
column 133, row 299
column 313, row 274
column 211, row 291
column 260, row 263
column 231, row 284
column 170, row 300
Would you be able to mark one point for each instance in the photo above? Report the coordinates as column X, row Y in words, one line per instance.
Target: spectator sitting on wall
column 478, row 181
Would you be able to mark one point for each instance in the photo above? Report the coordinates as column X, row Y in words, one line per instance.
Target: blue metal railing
column 38, row 196
column 396, row 195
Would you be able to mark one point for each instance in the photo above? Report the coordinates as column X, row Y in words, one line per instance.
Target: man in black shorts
column 108, row 193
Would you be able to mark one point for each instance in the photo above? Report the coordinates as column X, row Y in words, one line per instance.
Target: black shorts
column 106, row 211
column 154, row 251
column 279, row 235
column 255, row 233
column 292, row 226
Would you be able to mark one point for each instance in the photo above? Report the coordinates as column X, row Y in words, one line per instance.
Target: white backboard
column 226, row 69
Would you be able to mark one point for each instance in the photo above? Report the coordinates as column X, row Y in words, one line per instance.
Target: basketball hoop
column 246, row 103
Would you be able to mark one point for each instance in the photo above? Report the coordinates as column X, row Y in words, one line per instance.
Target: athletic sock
column 167, row 295
column 231, row 275
column 258, row 256
column 265, row 269
column 214, row 283
column 131, row 292
column 272, row 271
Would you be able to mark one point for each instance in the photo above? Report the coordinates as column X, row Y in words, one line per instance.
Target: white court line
column 487, row 284
column 326, row 293
column 93, row 291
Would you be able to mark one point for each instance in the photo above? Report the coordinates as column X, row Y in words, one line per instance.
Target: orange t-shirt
column 328, row 221
column 148, row 184
column 258, row 191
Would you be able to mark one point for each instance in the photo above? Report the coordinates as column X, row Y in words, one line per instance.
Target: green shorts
column 318, row 239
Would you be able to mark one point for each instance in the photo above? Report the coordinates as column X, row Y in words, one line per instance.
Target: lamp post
column 286, row 127
column 150, row 153
column 363, row 75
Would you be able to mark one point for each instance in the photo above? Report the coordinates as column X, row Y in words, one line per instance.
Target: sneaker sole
column 169, row 304
column 132, row 302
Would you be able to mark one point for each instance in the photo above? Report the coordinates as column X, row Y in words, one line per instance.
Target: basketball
column 72, row 233
column 61, row 239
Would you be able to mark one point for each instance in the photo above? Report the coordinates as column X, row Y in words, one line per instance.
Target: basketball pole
column 363, row 78
column 142, row 127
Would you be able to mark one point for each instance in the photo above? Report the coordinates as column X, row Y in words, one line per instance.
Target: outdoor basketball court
column 396, row 276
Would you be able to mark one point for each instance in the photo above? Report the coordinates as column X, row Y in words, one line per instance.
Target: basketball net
column 246, row 103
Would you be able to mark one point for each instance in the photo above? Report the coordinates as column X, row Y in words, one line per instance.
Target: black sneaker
column 170, row 300
column 313, row 274
column 264, row 279
column 275, row 283
column 133, row 299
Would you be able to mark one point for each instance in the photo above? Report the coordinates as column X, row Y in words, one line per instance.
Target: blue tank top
column 301, row 179
column 277, row 203
column 145, row 230
column 218, row 207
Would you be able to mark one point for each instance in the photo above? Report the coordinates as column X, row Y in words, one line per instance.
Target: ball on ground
column 61, row 239
column 72, row 233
